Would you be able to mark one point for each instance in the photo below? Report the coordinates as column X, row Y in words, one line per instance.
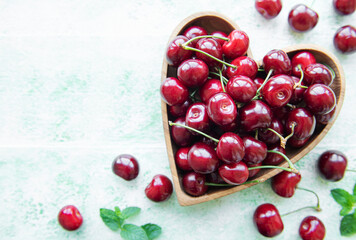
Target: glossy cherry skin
column 194, row 184
column 255, row 114
column 126, row 167
column 241, row 88
column 214, row 177
column 267, row 220
column 258, row 81
column 274, row 158
column 194, row 31
column 197, row 117
column 173, row 91
column 70, row 218
column 317, row 73
column 325, row 118
column 202, row 158
column 180, row 135
column 212, row 47
column 268, row 8
column 255, row 150
column 285, row 183
column 219, row 34
column 297, row 143
column 278, row 90
column 277, row 60
column 270, row 137
column 245, row 66
column 344, row 7
column 193, row 72
column 234, row 173
column 319, row 99
column 159, row 189
column 281, row 113
column 221, row 109
column 345, row 39
column 298, row 93
column 304, row 123
column 175, row 54
column 302, row 18
column 237, row 45
column 181, row 159
column 303, row 59
column 312, row 228
column 332, row 165
column 180, row 110
column 210, row 87
column 230, row 148
column 253, row 172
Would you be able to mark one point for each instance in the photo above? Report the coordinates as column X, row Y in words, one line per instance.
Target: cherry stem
column 193, row 129
column 317, row 197
column 205, row 36
column 283, row 139
column 221, row 80
column 291, row 165
column 230, row 185
column 217, row 74
column 299, row 83
column 274, row 167
column 350, row 170
column 263, row 84
column 300, row 209
column 332, row 72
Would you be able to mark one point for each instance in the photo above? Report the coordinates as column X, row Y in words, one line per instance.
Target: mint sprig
column 115, row 221
column 347, row 202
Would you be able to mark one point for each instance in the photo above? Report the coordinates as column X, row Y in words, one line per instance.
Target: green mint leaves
column 347, row 202
column 115, row 221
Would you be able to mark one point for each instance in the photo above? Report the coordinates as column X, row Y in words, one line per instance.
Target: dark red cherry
column 212, row 47
column 298, row 93
column 159, row 189
column 181, row 159
column 268, row 8
column 317, row 73
column 312, row 228
column 195, row 31
column 237, row 45
column 175, row 54
column 230, row 148
column 281, row 113
column 319, row 99
column 345, row 39
column 193, row 72
column 303, row 59
column 214, row 177
column 126, row 167
column 344, row 7
column 274, row 158
column 231, row 127
column 180, row 135
column 180, row 110
column 304, row 123
column 234, row 173
column 202, row 158
column 209, row 88
column 302, row 18
column 332, row 165
column 297, row 143
column 267, row 220
column 325, row 118
column 253, row 172
column 278, row 90
column 278, row 61
column 285, row 183
column 194, row 184
column 241, row 88
column 270, row 137
column 173, row 91
column 70, row 218
column 255, row 114
column 197, row 117
column 245, row 66
column 219, row 34
column 258, row 82
column 255, row 150
column 222, row 109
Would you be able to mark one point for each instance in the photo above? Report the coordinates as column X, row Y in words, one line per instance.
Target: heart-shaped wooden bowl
column 213, row 21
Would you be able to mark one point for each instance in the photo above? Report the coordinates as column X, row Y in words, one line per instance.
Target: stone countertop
column 79, row 85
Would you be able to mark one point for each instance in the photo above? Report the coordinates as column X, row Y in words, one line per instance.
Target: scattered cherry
column 302, row 18
column 159, row 189
column 332, row 165
column 267, row 220
column 268, row 8
column 345, row 39
column 126, row 167
column 344, row 7
column 312, row 228
column 70, row 218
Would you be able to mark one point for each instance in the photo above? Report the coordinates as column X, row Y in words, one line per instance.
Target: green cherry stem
column 332, row 72
column 193, row 129
column 351, row 170
column 218, row 75
column 221, row 80
column 299, row 83
column 291, row 165
column 263, row 84
column 283, row 139
column 205, row 36
column 317, row 197
column 230, row 185
column 274, row 167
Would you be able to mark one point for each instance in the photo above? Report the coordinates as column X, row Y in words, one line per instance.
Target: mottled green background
column 79, row 85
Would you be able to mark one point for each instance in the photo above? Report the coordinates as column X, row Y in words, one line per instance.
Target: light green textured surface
column 79, row 85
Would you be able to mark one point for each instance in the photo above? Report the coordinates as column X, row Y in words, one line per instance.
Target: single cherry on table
column 159, row 189
column 267, row 220
column 70, row 218
column 345, row 39
column 312, row 228
column 126, row 167
column 332, row 165
column 302, row 18
column 268, row 8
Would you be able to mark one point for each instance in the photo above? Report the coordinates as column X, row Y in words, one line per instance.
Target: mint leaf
column 110, row 219
column 348, row 225
column 344, row 198
column 130, row 211
column 152, row 230
column 133, row 232
column 354, row 190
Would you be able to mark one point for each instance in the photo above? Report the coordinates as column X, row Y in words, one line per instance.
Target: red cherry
column 274, row 158
column 222, row 109
column 345, row 39
column 281, row 113
column 325, row 118
column 234, row 173
column 285, row 183
column 258, row 82
column 70, row 218
column 245, row 66
column 255, row 150
column 278, row 90
column 194, row 184
column 332, row 165
column 230, row 148
column 209, row 88
column 297, row 143
column 212, row 47
column 202, row 158
column 219, row 34
column 237, row 45
column 304, row 123
column 312, row 228
column 193, row 72
column 195, row 31
column 181, row 109
column 180, row 135
column 159, row 189
column 303, row 59
column 214, row 177
column 242, row 89
column 344, row 7
column 268, row 8
column 253, row 172
column 302, row 18
column 255, row 114
column 173, row 91
column 197, row 117
column 270, row 137
column 317, row 73
column 126, row 167
column 181, row 159
column 175, row 54
column 298, row 93
column 267, row 220
column 319, row 98
column 278, row 61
